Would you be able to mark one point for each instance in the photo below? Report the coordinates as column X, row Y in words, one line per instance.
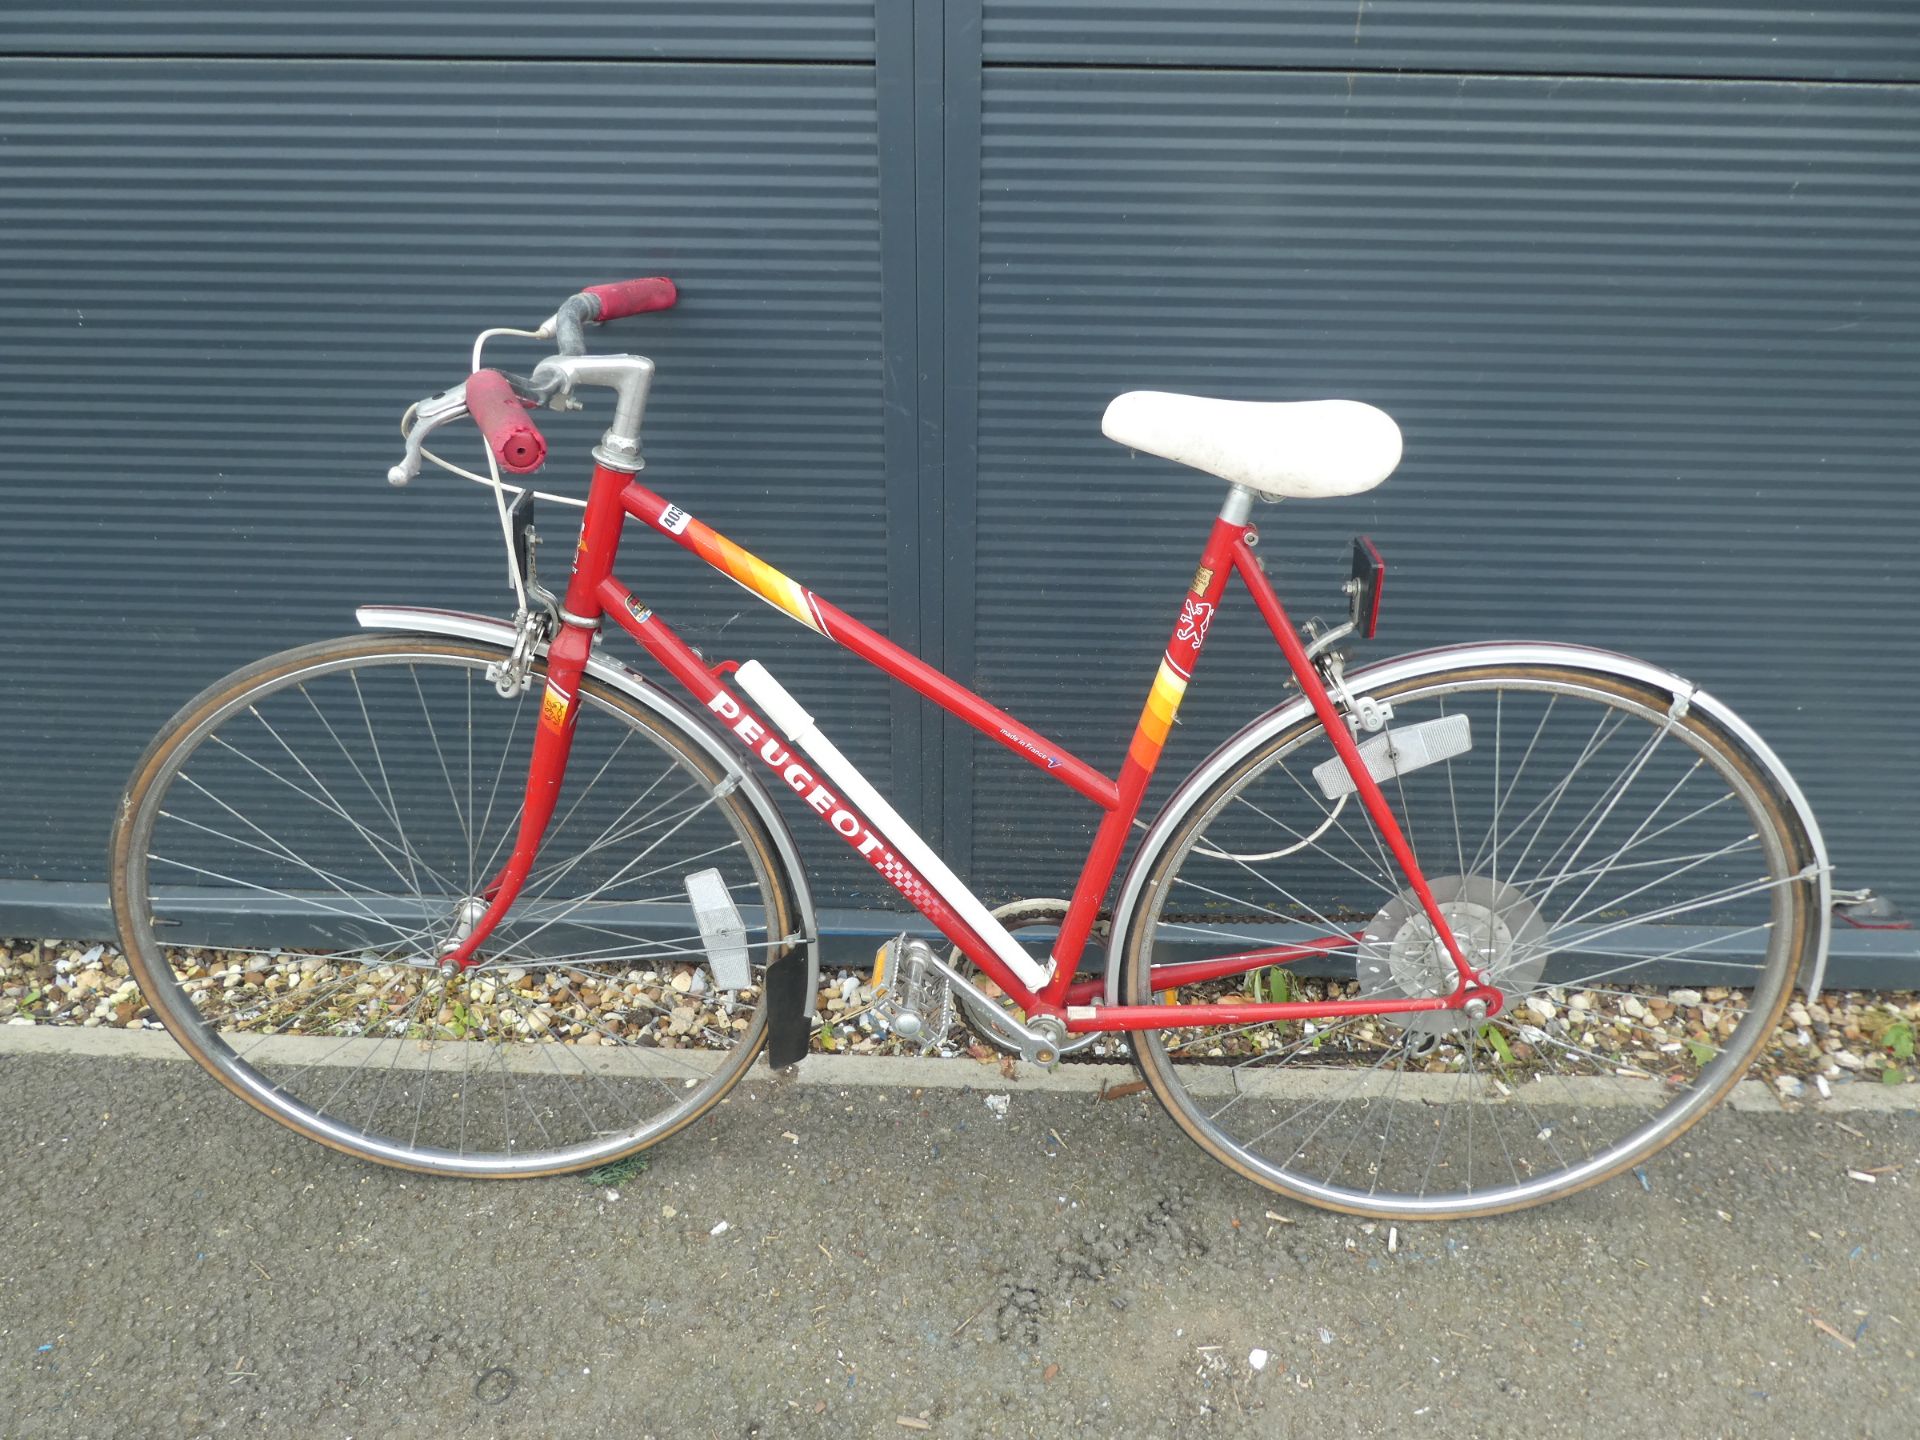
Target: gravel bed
column 62, row 983
column 1835, row 1039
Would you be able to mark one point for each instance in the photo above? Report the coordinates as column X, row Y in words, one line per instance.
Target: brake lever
column 428, row 416
column 449, row 405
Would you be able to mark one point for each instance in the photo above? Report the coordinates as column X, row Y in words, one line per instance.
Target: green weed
column 1497, row 1043
column 617, row 1172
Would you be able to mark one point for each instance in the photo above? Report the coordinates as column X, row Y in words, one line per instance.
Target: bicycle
column 421, row 959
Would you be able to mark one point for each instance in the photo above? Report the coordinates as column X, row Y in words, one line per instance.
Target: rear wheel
column 303, row 842
column 1628, row 872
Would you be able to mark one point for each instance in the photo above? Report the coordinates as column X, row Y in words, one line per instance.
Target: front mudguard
column 788, row 1005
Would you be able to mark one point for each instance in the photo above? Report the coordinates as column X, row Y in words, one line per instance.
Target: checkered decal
column 904, row 880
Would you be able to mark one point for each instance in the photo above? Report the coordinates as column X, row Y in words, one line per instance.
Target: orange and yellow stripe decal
column 750, row 572
column 1169, row 687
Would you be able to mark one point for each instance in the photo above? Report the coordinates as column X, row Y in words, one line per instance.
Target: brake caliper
column 531, row 630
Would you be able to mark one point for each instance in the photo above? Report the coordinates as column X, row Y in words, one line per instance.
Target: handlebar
column 597, row 304
column 502, row 417
column 622, row 298
column 498, row 404
column 501, row 414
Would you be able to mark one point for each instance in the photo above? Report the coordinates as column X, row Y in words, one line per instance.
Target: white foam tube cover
column 797, row 725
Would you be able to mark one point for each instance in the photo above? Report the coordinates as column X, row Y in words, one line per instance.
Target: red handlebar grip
column 503, row 419
column 633, row 297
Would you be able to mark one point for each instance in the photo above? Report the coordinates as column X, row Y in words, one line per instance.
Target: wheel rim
column 324, row 833
column 1628, row 840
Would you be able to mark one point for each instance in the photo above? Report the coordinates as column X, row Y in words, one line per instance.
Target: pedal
column 723, row 935
column 911, row 997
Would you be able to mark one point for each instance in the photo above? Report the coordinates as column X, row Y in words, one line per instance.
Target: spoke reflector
column 721, row 930
column 1398, row 752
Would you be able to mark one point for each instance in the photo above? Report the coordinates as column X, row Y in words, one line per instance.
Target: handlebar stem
column 630, row 377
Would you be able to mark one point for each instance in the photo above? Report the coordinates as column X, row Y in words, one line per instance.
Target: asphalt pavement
column 889, row 1259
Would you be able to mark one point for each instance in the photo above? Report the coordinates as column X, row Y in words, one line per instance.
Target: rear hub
column 1498, row 930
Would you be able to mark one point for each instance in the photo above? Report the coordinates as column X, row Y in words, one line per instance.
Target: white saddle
column 1304, row 450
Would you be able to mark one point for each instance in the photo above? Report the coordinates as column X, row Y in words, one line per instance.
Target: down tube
column 748, row 730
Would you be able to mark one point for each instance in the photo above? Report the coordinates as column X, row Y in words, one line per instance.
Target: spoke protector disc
column 1497, row 929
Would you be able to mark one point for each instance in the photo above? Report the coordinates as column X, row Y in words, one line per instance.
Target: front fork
column 552, row 743
column 559, row 711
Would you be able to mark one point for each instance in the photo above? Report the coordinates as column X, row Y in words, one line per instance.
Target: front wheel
column 304, row 841
column 1627, row 869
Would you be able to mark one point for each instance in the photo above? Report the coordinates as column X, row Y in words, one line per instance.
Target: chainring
column 1015, row 915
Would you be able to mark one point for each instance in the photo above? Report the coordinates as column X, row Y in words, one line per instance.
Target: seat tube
column 1197, row 609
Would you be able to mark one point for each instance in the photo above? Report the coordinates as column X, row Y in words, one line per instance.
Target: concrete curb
column 79, row 1040
column 845, row 1071
column 1750, row 1097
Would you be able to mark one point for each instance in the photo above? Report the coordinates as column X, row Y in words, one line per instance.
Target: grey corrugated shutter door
column 1651, row 338
column 609, row 30
column 1862, row 40
column 1637, row 280
column 223, row 278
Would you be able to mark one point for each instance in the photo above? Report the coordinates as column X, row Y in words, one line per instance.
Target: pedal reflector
column 722, row 934
column 1398, row 752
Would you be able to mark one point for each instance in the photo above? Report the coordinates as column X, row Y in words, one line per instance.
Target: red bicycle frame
column 880, row 838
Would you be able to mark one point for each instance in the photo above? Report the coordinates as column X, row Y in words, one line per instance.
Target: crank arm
column 1039, row 1045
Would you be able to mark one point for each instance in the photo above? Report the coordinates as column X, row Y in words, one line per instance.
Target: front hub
column 466, row 915
column 1499, row 932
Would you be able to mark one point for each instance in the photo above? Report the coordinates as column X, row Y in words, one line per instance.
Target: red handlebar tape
column 633, row 297
column 503, row 419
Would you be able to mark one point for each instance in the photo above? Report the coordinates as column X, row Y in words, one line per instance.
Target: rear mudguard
column 787, row 1006
column 1429, row 662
